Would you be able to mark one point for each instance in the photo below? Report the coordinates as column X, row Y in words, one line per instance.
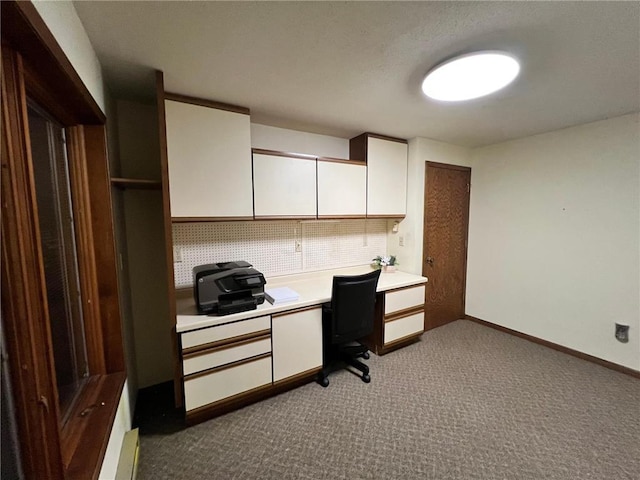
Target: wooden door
column 446, row 225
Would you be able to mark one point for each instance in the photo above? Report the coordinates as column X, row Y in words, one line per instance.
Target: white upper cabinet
column 386, row 173
column 342, row 188
column 209, row 160
column 284, row 185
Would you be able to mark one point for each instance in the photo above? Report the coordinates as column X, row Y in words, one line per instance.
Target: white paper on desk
column 280, row 295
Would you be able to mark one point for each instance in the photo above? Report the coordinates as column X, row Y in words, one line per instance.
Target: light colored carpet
column 467, row 402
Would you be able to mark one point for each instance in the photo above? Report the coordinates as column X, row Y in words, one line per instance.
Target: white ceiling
column 343, row 68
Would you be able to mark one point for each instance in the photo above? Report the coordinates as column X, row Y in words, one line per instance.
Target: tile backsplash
column 277, row 247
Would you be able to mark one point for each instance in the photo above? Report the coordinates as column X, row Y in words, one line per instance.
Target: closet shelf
column 138, row 183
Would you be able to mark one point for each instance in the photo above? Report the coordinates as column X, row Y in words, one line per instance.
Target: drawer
column 225, row 331
column 403, row 327
column 203, row 389
column 196, row 362
column 402, row 299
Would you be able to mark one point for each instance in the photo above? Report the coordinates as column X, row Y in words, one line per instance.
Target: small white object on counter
column 276, row 296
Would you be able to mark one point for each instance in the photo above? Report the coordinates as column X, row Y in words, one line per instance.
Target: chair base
column 346, row 355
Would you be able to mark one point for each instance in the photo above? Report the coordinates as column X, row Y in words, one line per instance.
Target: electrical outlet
column 177, row 254
column 298, row 246
column 622, row 332
column 401, row 240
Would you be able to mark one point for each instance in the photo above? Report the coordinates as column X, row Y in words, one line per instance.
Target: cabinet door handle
column 44, row 402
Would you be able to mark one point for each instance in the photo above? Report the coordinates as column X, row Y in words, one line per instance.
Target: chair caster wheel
column 324, row 382
column 366, row 355
column 366, row 378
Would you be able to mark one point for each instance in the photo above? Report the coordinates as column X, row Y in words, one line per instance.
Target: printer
column 228, row 287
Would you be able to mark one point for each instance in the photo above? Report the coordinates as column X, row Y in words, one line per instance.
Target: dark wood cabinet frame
column 34, row 66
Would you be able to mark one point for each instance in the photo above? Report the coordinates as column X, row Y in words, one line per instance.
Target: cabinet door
column 386, row 177
column 209, row 153
column 342, row 188
column 297, row 342
column 284, row 186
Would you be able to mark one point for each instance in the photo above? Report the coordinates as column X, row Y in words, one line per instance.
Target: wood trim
column 559, row 348
column 137, row 183
column 293, row 312
column 51, row 79
column 84, row 245
column 375, row 340
column 294, row 379
column 407, row 312
column 236, row 341
column 168, row 236
column 406, row 287
column 87, row 433
column 206, row 412
column 226, row 366
column 342, row 217
column 359, row 163
column 275, row 153
column 285, row 217
column 358, row 148
column 24, row 29
column 398, row 216
column 25, row 321
column 399, row 343
column 448, row 166
column 205, row 219
column 386, row 137
column 176, row 97
column 104, row 246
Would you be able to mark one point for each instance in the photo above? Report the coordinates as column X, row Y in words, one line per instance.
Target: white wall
column 293, row 141
column 121, row 425
column 554, row 237
column 410, row 229
column 66, row 27
column 63, row 22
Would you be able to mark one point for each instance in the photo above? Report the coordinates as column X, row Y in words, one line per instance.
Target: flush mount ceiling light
column 470, row 76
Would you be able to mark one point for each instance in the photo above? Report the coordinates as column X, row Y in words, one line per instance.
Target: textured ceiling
column 342, row 68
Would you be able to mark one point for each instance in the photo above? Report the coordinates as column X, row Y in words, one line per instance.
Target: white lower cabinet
column 225, row 360
column 297, row 342
column 404, row 299
column 403, row 314
column 403, row 327
column 216, row 357
column 200, row 390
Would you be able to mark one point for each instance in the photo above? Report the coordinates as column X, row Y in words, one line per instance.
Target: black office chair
column 346, row 320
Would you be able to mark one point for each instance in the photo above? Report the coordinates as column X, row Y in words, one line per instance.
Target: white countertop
column 314, row 288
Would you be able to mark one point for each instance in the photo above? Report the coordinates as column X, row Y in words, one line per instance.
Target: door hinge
column 468, row 188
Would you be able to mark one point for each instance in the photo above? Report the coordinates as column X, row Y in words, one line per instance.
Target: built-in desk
column 232, row 360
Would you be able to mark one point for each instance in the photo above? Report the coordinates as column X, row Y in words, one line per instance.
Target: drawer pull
column 228, row 365
column 227, row 342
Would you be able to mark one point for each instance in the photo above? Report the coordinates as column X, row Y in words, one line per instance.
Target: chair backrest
column 352, row 305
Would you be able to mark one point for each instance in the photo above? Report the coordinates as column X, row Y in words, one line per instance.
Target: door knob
column 429, row 260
